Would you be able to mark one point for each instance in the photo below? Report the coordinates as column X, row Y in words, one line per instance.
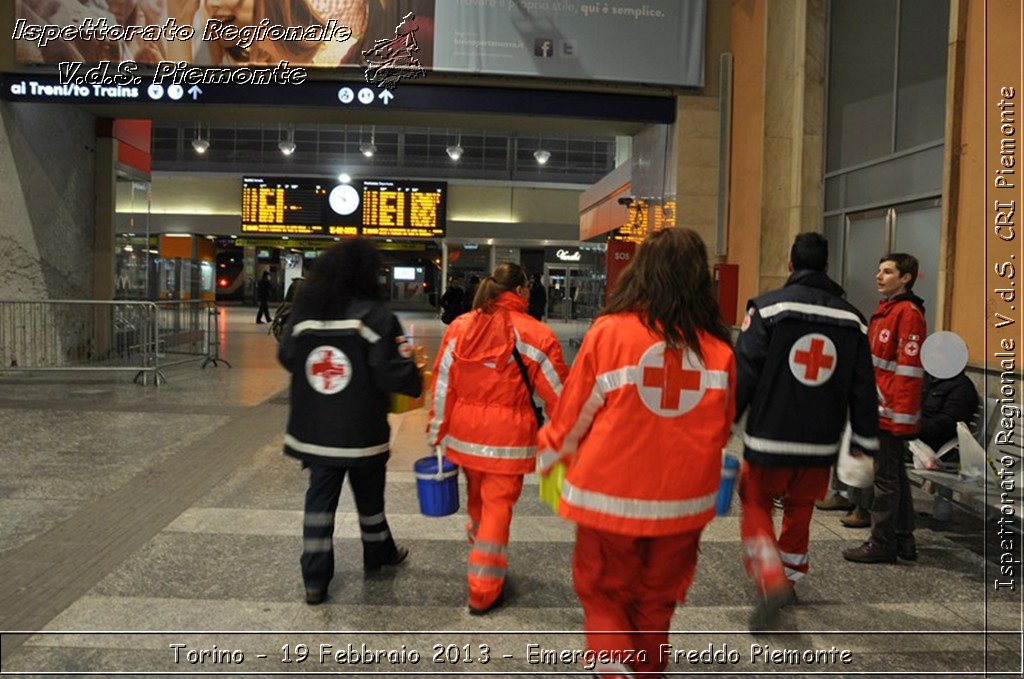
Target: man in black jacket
column 345, row 352
column 263, row 289
column 803, row 367
column 944, row 402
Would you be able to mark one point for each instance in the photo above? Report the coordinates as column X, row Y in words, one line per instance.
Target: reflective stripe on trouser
column 631, row 583
column 490, row 498
column 772, row 562
column 325, row 484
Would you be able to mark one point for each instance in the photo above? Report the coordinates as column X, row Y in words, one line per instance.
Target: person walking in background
column 802, row 350
column 490, row 362
column 453, row 301
column 263, row 290
column 538, row 299
column 897, row 330
column 642, row 421
column 345, row 352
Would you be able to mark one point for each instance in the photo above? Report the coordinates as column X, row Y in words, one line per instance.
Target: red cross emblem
column 671, row 382
column 812, row 360
column 328, row 369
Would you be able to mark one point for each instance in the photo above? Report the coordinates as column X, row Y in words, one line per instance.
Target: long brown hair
column 669, row 285
column 507, row 277
column 281, row 13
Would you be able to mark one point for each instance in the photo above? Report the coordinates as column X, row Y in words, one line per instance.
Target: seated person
column 948, row 395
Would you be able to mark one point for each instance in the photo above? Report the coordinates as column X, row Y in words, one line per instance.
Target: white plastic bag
column 857, row 472
column 972, row 456
column 924, row 456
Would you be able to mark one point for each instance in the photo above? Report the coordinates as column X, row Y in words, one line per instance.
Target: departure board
column 370, row 207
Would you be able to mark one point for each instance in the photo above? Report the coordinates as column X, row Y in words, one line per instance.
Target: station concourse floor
column 129, row 510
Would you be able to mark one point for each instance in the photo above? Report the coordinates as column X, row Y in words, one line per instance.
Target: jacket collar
column 908, row 296
column 510, row 301
column 816, row 279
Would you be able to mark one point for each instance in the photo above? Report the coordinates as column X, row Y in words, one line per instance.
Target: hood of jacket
column 490, row 336
column 816, row 279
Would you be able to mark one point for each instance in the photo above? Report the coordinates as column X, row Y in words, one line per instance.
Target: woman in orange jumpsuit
column 483, row 415
column 642, row 421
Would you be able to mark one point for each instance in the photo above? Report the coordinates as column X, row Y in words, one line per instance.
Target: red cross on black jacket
column 343, row 369
column 803, row 368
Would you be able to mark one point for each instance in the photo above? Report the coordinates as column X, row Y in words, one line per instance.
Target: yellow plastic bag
column 400, row 403
column 551, row 486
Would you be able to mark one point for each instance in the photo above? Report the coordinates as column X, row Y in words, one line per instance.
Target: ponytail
column 507, row 277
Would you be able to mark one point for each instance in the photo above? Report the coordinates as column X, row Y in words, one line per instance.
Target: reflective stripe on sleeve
column 883, row 364
column 629, row 508
column 864, row 442
column 910, row 371
column 351, row 324
column 498, row 452
column 546, row 459
column 812, row 310
column 898, row 418
column 789, row 447
column 331, row 451
column 441, row 391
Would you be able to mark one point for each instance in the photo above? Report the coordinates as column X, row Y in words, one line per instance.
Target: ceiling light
column 200, row 145
column 287, row 147
column 455, row 150
column 368, row 148
column 542, row 156
column 344, row 178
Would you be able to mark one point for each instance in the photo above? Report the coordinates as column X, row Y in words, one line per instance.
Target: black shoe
column 315, row 597
column 907, row 550
column 766, row 614
column 401, row 553
column 869, row 552
column 497, row 603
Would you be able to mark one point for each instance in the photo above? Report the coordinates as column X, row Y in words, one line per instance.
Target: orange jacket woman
column 483, row 414
column 642, row 421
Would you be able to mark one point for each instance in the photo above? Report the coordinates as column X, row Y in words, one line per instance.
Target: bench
column 973, row 496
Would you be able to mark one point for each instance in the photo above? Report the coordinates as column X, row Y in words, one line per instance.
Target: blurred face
column 237, row 12
column 890, row 282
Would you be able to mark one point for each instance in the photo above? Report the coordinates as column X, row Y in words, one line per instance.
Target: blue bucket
column 438, row 493
column 730, row 468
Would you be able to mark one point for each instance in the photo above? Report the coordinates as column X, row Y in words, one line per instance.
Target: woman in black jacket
column 345, row 352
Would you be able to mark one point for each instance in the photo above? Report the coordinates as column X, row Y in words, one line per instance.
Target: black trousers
column 318, row 523
column 892, row 510
column 264, row 310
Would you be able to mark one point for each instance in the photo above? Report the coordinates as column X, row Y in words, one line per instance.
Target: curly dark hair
column 340, row 274
column 668, row 284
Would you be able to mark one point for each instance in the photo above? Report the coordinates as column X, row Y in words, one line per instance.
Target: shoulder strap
column 526, row 380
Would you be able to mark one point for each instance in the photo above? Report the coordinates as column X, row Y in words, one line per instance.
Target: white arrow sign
column 386, row 96
column 195, row 91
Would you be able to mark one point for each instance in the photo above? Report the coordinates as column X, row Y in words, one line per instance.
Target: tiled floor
column 134, row 520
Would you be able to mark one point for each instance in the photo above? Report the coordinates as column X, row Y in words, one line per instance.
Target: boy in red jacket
column 896, row 333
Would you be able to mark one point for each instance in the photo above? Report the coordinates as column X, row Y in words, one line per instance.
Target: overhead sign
column 514, row 102
column 647, row 41
column 324, row 207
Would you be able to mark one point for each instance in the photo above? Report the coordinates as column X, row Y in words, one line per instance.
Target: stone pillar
column 794, row 99
column 696, row 166
column 105, row 219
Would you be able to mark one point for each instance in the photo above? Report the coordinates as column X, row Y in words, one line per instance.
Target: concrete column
column 696, row 164
column 105, row 219
column 794, row 91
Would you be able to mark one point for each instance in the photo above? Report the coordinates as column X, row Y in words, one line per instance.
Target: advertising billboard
column 653, row 41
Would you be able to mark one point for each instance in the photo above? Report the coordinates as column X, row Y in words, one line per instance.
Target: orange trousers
column 628, row 585
column 776, row 563
column 490, row 498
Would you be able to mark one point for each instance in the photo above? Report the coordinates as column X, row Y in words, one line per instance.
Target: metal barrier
column 106, row 336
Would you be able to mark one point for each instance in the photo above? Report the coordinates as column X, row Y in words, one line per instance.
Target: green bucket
column 551, row 486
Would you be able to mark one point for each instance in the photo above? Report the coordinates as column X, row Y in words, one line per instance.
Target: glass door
column 867, row 239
